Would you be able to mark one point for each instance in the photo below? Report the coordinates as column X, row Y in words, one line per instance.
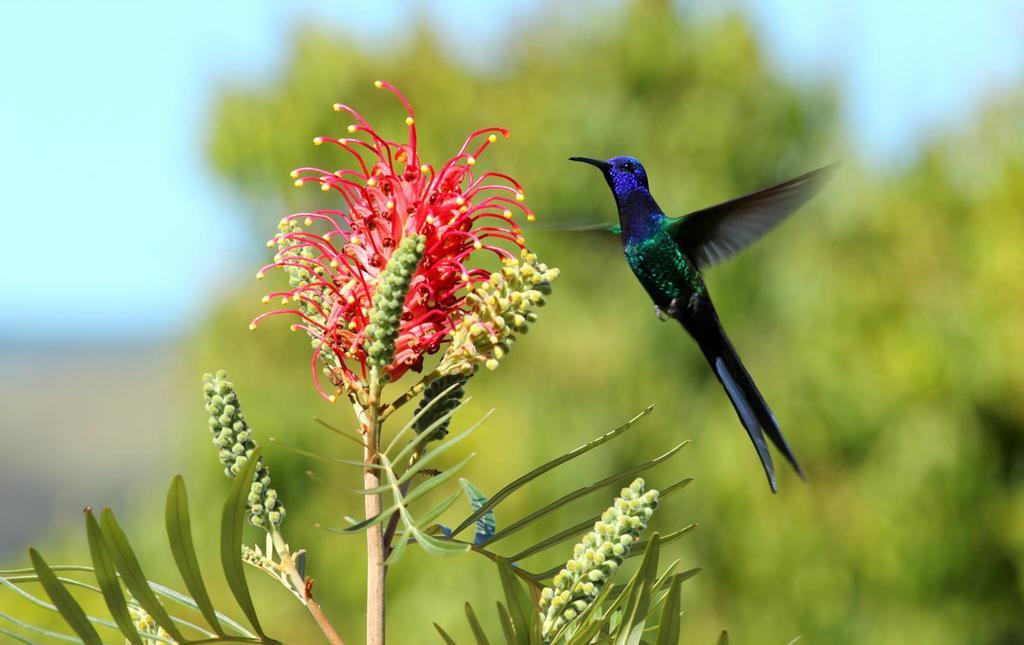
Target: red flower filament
column 390, row 194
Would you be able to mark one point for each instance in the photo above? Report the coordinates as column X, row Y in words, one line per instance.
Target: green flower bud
column 233, row 437
column 596, row 558
column 389, row 300
column 439, row 407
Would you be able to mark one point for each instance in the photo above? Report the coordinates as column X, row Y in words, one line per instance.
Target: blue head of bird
column 628, row 180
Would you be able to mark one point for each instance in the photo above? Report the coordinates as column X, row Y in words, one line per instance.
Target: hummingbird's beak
column 604, row 166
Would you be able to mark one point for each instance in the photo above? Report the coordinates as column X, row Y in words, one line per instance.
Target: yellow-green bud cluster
column 233, row 438
column 499, row 310
column 439, row 407
column 146, row 626
column 300, row 276
column 389, row 301
column 596, row 558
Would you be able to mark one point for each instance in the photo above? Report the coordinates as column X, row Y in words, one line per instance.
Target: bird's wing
column 715, row 234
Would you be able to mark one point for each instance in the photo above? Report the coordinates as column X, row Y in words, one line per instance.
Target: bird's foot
column 673, row 309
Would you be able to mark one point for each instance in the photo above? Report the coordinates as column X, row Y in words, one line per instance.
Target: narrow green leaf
column 507, row 628
column 632, row 627
column 444, row 635
column 232, row 524
column 512, row 487
column 438, row 547
column 39, row 630
column 17, row 637
column 65, row 603
column 437, row 511
column 557, row 538
column 518, row 601
column 417, row 492
column 131, row 573
column 723, row 638
column 581, row 492
column 179, row 534
column 668, row 628
column 438, row 450
column 640, row 547
column 354, row 438
column 474, row 624
column 106, row 577
column 487, row 524
column 398, row 548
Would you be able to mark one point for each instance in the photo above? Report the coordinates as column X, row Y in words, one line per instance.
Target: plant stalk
column 288, row 566
column 375, row 547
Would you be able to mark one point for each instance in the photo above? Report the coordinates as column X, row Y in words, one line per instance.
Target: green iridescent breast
column 662, row 269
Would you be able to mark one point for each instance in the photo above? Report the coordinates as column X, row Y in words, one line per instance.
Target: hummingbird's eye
column 628, row 166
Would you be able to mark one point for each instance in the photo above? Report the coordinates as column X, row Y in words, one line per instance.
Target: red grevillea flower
column 390, row 193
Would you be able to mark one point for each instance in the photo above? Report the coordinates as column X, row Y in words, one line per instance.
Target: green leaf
column 39, row 630
column 65, row 603
column 439, row 510
column 632, row 627
column 106, row 577
column 487, row 524
column 398, row 548
column 557, row 538
column 444, row 635
column 540, row 470
column 507, row 628
column 438, row 547
column 474, row 624
column 438, row 450
column 179, row 534
column 518, row 601
column 131, row 573
column 17, row 637
column 581, row 492
column 232, row 524
column 668, row 628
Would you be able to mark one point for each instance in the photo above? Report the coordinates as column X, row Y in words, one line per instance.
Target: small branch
column 303, row 588
column 409, row 394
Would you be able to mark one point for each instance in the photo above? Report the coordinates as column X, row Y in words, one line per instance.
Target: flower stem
column 375, row 547
column 287, row 563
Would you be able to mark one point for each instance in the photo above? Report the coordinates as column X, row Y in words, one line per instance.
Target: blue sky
column 130, row 233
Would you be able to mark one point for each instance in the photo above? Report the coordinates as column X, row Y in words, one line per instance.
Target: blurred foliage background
column 883, row 324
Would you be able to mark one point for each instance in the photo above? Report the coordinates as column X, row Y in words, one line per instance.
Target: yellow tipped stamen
column 259, row 275
column 337, row 107
column 270, row 244
column 409, row 120
column 507, row 134
column 334, row 264
column 371, row 182
column 326, row 186
column 298, row 183
column 265, row 300
column 378, row 84
column 352, row 326
column 332, row 398
column 530, row 217
column 520, row 197
column 294, row 174
column 492, row 138
column 317, row 140
column 252, row 326
column 470, row 160
column 477, row 245
column 308, row 221
column 284, row 300
column 351, row 128
column 507, row 214
column 390, row 205
column 277, row 257
column 293, row 328
column 424, row 168
column 460, row 201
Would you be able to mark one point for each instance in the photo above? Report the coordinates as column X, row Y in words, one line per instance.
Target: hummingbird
column 667, row 255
